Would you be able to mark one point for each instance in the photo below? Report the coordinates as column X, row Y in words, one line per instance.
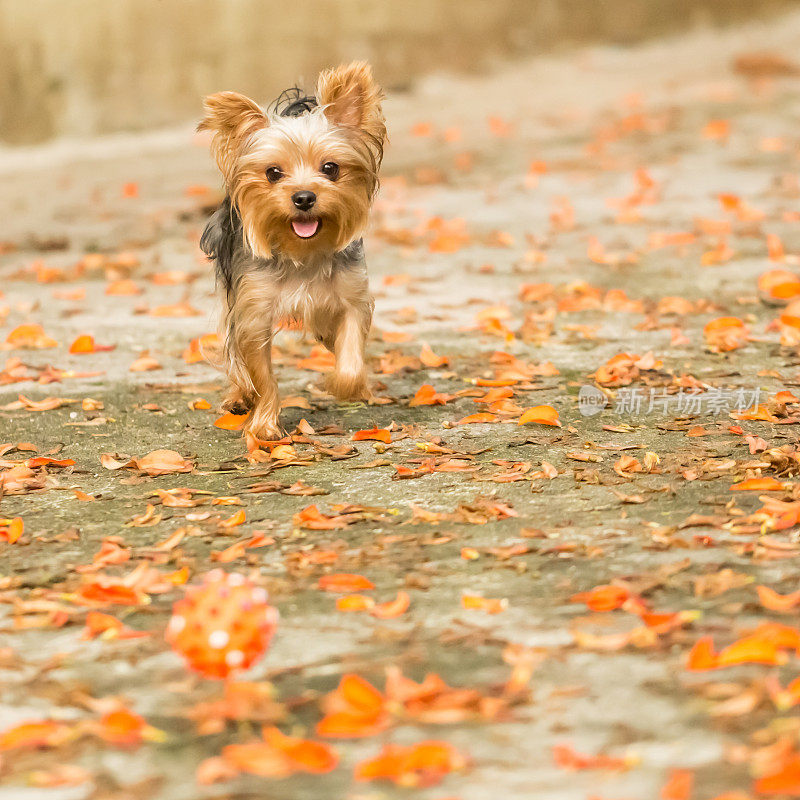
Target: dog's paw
column 236, row 403
column 261, row 434
column 264, row 426
column 348, row 387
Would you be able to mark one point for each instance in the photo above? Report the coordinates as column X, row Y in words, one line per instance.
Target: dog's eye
column 330, row 170
column 274, row 174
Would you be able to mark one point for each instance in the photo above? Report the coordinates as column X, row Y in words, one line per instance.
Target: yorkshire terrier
column 300, row 178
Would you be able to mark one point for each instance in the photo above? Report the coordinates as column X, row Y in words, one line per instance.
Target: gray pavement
column 516, row 209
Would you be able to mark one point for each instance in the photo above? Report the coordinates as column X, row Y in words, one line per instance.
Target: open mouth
column 306, row 228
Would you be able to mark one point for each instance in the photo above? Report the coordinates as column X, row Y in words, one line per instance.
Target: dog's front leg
column 263, row 422
column 349, row 379
column 248, row 357
column 251, row 369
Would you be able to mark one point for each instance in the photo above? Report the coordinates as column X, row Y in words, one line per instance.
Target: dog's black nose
column 304, row 200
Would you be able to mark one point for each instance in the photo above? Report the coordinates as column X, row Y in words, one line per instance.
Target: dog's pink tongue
column 305, row 228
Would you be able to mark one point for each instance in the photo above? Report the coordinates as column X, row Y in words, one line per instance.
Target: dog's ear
column 232, row 118
column 350, row 97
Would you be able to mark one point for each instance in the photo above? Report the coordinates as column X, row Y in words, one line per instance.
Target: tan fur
column 302, row 279
column 350, row 97
column 267, row 209
column 233, row 118
column 335, row 308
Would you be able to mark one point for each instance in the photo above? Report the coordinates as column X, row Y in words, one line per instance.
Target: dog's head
column 303, row 174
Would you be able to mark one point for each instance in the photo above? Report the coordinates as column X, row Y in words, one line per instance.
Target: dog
column 300, row 178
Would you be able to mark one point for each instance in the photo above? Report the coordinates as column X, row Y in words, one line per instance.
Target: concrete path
column 533, row 225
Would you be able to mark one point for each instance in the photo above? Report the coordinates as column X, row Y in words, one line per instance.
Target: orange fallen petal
column 230, row 422
column 479, row 418
column 418, row 765
column 785, row 781
column 116, row 593
column 99, row 624
column 544, row 415
column 490, row 382
column 373, row 434
column 282, row 452
column 121, row 727
column 491, row 605
column 86, row 344
column 430, row 359
column 426, row 395
column 565, row 757
column 257, row 758
column 602, row 598
column 83, row 344
column 666, row 622
column 773, row 601
column 354, row 709
column 46, row 733
column 215, row 769
column 45, row 461
column 358, row 693
column 679, row 785
column 354, row 602
column 237, row 519
column 751, row 650
column 163, row 462
column 313, row 519
column 762, row 647
column 719, row 129
column 314, row 757
column 392, row 608
column 702, row 656
column 11, row 529
column 30, row 336
column 121, row 288
column 758, row 485
column 350, row 725
column 779, row 284
column 725, row 334
column 203, row 348
column 344, row 582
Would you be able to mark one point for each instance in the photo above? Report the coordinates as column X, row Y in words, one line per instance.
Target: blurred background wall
column 80, row 67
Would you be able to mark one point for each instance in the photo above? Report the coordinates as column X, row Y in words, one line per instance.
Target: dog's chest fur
column 278, row 289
